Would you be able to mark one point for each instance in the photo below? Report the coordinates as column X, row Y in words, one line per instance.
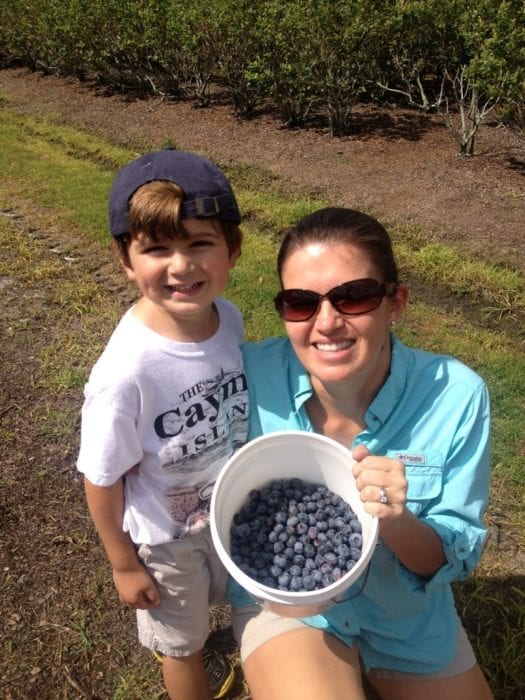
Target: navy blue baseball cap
column 206, row 189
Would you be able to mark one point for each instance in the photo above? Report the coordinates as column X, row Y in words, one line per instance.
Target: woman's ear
column 398, row 303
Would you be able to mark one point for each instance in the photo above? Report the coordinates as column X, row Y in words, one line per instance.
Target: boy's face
column 181, row 278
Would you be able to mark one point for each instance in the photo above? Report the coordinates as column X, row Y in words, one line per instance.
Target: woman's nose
column 328, row 317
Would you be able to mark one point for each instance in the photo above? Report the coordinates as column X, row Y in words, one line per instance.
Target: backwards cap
column 206, row 189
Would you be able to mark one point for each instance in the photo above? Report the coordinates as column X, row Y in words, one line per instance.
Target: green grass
column 70, row 173
column 499, row 292
column 60, row 178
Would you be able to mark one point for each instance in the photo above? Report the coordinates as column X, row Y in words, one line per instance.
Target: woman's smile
column 333, row 347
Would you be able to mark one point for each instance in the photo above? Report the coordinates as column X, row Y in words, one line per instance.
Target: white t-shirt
column 166, row 416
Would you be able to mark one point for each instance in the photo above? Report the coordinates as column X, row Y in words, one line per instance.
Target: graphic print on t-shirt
column 209, row 420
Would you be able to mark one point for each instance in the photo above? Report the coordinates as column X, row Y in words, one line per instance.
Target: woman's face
column 338, row 351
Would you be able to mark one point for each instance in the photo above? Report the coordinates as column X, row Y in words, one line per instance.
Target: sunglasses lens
column 357, row 297
column 296, row 304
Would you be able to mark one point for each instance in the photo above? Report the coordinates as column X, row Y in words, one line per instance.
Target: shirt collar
column 388, row 397
column 300, row 380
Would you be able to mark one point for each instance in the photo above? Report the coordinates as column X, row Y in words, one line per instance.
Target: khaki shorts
column 253, row 626
column 190, row 577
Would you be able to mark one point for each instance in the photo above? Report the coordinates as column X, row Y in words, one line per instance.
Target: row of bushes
column 304, row 56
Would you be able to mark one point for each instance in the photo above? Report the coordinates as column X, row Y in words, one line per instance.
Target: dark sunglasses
column 350, row 298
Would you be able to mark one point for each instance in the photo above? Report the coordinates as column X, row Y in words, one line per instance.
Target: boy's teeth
column 332, row 347
column 184, row 287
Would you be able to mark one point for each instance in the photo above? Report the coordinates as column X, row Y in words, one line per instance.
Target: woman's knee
column 304, row 664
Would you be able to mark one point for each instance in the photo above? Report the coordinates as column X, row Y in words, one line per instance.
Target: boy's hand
column 136, row 588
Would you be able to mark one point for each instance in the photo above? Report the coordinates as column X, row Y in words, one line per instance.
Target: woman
column 418, row 428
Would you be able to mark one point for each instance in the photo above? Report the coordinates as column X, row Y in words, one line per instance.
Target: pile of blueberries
column 295, row 536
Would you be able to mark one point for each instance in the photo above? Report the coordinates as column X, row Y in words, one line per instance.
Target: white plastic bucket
column 283, row 455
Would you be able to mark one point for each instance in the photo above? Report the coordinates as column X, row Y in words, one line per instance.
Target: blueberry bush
column 314, row 58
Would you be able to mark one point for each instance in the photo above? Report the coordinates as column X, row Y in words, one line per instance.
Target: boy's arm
column 133, row 583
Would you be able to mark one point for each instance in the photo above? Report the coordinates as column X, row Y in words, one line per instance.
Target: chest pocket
column 424, row 473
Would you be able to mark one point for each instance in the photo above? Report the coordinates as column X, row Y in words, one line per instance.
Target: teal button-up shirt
column 432, row 413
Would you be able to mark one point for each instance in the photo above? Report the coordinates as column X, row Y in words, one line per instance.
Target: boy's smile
column 180, row 278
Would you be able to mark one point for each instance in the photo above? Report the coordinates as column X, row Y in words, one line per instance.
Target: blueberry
column 244, row 530
column 301, row 528
column 355, row 553
column 343, row 550
column 308, row 583
column 296, row 583
column 330, row 557
column 326, row 568
column 280, row 560
column 326, row 580
column 284, row 579
column 355, row 539
column 356, row 526
column 309, row 550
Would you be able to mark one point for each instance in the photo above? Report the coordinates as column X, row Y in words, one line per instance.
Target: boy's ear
column 123, row 260
column 234, row 256
column 129, row 271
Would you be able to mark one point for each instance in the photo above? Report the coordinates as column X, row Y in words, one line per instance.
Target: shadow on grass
column 493, row 613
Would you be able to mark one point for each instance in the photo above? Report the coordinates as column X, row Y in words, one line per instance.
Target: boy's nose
column 180, row 262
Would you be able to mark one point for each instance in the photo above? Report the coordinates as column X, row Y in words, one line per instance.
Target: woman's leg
column 304, row 664
column 470, row 685
column 462, row 679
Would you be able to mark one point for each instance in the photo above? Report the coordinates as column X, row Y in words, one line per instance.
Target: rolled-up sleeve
column 456, row 515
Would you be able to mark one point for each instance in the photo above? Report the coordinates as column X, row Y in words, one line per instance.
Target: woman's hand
column 381, row 483
column 414, row 542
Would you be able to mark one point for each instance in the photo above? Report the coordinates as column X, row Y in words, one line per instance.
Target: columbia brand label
column 417, row 458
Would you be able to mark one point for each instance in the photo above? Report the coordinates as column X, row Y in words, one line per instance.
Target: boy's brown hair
column 155, row 211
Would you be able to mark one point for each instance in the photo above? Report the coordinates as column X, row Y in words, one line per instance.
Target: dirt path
column 399, row 165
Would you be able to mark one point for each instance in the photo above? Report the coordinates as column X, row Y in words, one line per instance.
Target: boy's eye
column 201, row 242
column 154, row 248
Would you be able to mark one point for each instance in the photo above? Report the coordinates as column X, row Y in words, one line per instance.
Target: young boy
column 165, row 406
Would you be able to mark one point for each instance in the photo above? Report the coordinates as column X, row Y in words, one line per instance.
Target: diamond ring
column 383, row 498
